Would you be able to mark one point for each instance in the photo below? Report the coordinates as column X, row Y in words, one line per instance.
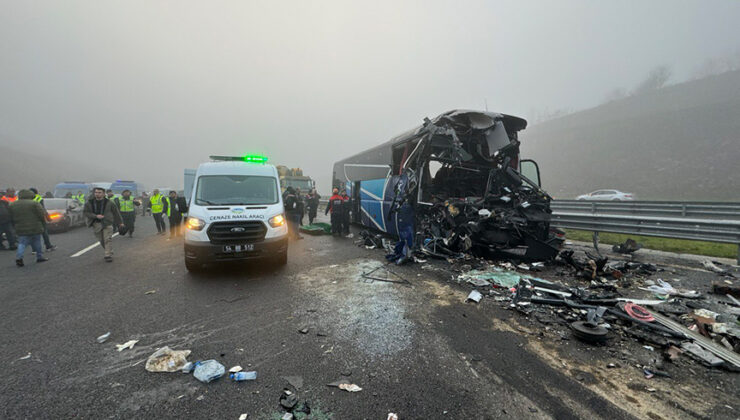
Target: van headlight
column 277, row 221
column 194, row 223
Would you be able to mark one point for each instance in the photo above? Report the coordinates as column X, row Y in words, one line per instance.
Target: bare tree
column 615, row 95
column 717, row 65
column 656, row 79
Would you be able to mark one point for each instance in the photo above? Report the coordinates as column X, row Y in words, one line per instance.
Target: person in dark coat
column 174, row 207
column 39, row 199
column 336, row 207
column 29, row 221
column 102, row 214
column 301, row 204
column 312, row 203
column 346, row 208
column 292, row 212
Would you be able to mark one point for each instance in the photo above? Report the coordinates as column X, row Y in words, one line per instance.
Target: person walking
column 127, row 206
column 155, row 202
column 175, row 206
column 29, row 219
column 312, row 203
column 346, row 208
column 39, row 199
column 101, row 215
column 335, row 206
column 6, row 225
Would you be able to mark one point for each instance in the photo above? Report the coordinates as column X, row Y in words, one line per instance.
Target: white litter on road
column 127, row 345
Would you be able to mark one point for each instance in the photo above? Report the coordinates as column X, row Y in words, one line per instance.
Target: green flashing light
column 255, row 159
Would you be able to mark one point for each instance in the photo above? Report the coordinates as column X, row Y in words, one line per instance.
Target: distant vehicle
column 293, row 177
column 71, row 187
column 236, row 212
column 64, row 213
column 136, row 188
column 607, row 195
column 103, row 185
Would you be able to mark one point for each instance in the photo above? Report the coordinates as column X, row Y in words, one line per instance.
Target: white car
column 236, row 213
column 607, row 195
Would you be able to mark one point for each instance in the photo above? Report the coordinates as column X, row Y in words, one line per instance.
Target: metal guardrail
column 695, row 209
column 644, row 223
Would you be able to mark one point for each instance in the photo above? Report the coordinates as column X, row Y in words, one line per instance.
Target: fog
column 144, row 89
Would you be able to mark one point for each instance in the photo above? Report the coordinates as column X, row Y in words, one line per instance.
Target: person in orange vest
column 336, row 207
column 9, row 196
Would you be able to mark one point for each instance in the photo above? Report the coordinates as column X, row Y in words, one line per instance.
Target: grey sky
column 158, row 86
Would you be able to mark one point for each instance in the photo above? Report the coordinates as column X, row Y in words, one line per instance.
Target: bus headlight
column 194, row 223
column 277, row 221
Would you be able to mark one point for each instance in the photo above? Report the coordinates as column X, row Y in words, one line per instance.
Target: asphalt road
column 416, row 349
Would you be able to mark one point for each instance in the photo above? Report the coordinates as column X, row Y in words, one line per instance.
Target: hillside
column 25, row 168
column 681, row 143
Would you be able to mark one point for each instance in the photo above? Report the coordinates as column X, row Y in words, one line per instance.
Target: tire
column 193, row 266
column 281, row 259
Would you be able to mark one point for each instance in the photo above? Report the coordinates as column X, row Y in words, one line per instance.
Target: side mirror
column 530, row 170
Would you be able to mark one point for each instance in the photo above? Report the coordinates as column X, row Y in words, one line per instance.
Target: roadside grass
column 682, row 246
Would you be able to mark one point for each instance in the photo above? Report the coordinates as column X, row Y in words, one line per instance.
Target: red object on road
column 638, row 312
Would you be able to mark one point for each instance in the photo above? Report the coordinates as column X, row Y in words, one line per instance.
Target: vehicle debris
column 392, row 416
column 243, row 416
column 288, row 399
column 103, row 338
column 350, row 387
column 150, row 292
column 628, row 247
column 208, row 371
column 127, row 345
column 235, row 369
column 167, row 360
column 244, row 376
column 715, row 267
column 26, row 357
column 474, row 296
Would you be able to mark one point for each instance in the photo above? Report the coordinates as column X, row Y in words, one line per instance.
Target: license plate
column 238, row 248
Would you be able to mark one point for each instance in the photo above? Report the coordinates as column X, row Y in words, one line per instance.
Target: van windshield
column 236, row 190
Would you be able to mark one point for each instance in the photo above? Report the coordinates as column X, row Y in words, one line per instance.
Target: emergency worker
column 127, row 206
column 335, row 206
column 6, row 224
column 157, row 206
column 9, row 196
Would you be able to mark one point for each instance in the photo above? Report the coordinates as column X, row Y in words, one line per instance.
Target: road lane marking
column 91, row 247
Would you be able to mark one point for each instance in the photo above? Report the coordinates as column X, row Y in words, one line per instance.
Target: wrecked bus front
column 453, row 185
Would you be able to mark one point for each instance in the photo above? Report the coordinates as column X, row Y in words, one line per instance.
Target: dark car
column 64, row 214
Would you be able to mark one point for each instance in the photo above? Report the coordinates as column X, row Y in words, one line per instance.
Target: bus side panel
column 371, row 203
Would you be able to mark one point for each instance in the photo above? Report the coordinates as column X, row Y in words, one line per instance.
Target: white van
column 235, row 212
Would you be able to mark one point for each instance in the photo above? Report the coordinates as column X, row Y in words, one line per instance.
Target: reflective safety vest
column 37, row 198
column 156, row 202
column 80, row 198
column 169, row 206
column 126, row 206
column 10, row 199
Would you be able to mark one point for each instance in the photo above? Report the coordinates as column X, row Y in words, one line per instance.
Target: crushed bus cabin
column 453, row 185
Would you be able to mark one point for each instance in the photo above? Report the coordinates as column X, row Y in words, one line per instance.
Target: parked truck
column 293, row 177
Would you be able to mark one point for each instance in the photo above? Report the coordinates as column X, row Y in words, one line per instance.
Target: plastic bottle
column 244, row 376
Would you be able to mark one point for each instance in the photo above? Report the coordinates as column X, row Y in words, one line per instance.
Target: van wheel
column 193, row 266
column 282, row 258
